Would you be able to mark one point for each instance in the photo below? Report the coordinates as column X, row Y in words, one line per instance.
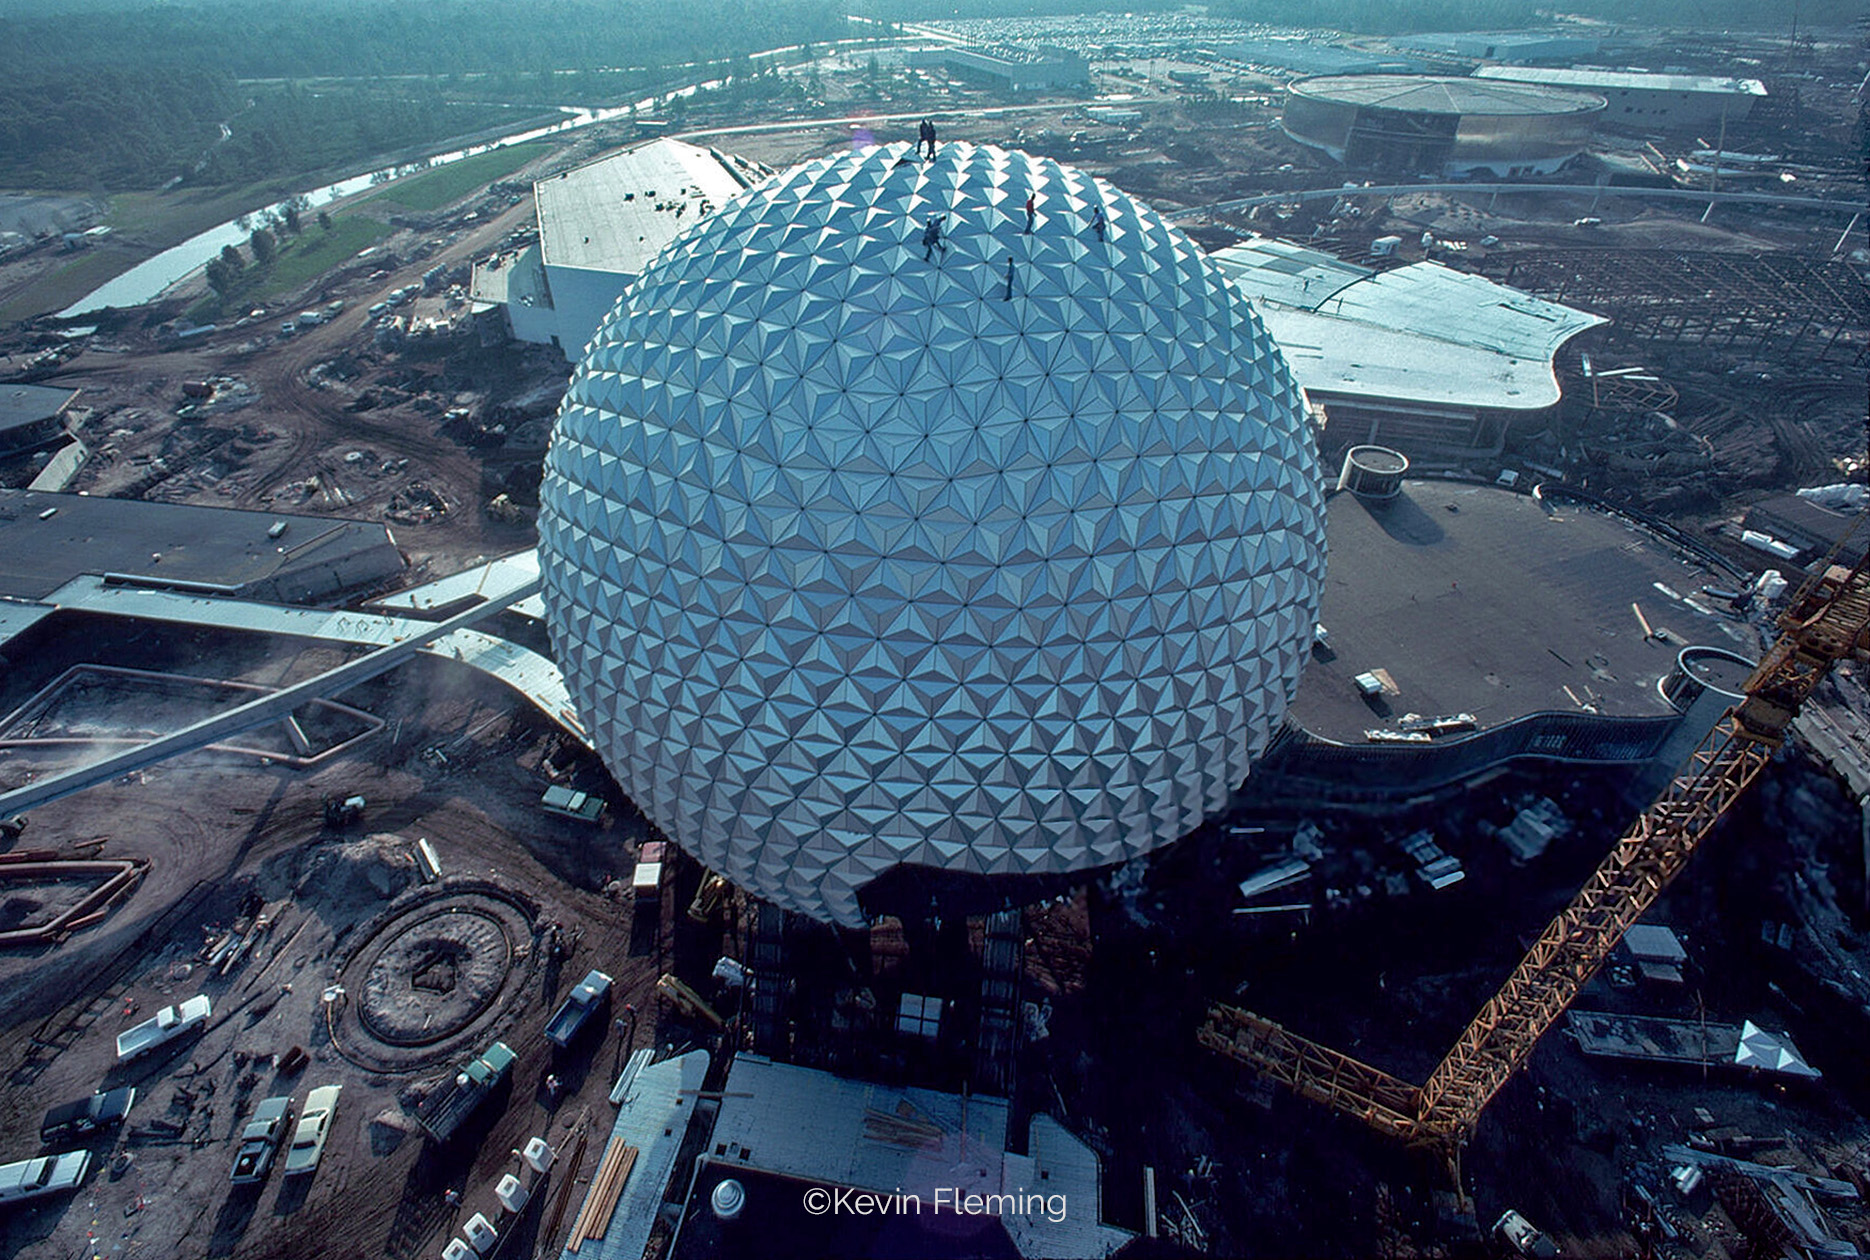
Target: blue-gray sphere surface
column 852, row 560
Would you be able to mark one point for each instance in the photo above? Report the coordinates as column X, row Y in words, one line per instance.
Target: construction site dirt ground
column 1260, row 1173
column 225, row 833
column 1392, row 980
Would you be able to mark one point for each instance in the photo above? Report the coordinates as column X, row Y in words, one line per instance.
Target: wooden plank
column 607, row 1206
column 563, row 1196
column 600, row 1202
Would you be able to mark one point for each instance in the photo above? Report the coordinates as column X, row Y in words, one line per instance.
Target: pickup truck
column 75, row 1121
column 259, row 1141
column 472, row 1085
column 48, row 1174
column 591, row 995
column 163, row 1027
column 566, row 803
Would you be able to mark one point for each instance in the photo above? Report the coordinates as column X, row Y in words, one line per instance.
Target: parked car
column 308, row 1140
column 75, row 1121
column 46, row 1174
column 259, row 1141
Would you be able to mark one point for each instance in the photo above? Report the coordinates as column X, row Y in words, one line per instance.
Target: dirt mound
column 356, row 872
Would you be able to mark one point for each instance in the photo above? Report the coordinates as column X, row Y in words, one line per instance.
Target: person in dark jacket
column 931, row 238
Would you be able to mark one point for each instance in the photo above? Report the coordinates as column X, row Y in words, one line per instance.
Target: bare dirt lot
column 231, row 840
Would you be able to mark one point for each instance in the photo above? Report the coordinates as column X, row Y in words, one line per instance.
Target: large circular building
column 985, row 551
column 1410, row 124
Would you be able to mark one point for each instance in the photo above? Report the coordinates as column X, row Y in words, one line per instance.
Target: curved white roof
column 1421, row 333
column 853, row 561
column 1429, row 94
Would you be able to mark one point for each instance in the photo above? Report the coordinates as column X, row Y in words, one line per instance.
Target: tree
column 264, row 246
column 220, row 277
column 324, row 220
column 290, row 217
column 230, row 257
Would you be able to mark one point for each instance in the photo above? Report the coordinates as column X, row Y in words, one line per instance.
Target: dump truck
column 646, row 880
column 472, row 1085
column 163, row 1027
column 590, row 997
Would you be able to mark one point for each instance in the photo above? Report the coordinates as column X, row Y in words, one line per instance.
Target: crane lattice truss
column 1829, row 621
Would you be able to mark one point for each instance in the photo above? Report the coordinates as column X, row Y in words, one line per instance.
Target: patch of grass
column 168, row 217
column 448, row 184
column 64, row 284
column 301, row 259
column 316, row 251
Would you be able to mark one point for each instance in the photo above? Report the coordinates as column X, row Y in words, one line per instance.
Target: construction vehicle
column 1524, row 1237
column 591, row 995
column 342, row 812
column 709, row 898
column 473, row 1085
column 689, row 1001
column 1827, row 621
column 646, row 879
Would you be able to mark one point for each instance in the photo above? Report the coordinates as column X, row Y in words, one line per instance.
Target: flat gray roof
column 1427, row 94
column 809, row 1124
column 1494, row 607
column 1623, row 80
column 617, row 213
column 29, row 404
column 654, row 1119
column 220, row 546
column 515, row 277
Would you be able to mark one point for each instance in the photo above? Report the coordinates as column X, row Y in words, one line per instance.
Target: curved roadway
column 1576, row 190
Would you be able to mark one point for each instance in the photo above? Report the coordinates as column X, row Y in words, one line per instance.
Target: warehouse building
column 1010, row 67
column 1299, row 56
column 1639, row 101
column 1434, row 362
column 1402, row 124
column 46, row 540
column 1506, row 47
column 32, row 416
column 598, row 225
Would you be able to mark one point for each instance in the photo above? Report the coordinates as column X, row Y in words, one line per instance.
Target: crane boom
column 1828, row 621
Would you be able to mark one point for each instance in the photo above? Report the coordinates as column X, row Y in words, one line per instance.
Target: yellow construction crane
column 1828, row 621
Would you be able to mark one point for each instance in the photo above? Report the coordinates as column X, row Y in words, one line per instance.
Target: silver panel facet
column 851, row 561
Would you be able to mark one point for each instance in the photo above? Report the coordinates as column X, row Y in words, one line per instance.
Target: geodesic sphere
column 851, row 560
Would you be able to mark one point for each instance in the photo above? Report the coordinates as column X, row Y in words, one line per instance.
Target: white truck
column 163, row 1027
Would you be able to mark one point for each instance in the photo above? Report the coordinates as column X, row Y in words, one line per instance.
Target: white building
column 598, row 225
column 1426, row 359
column 878, row 532
column 1640, row 101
